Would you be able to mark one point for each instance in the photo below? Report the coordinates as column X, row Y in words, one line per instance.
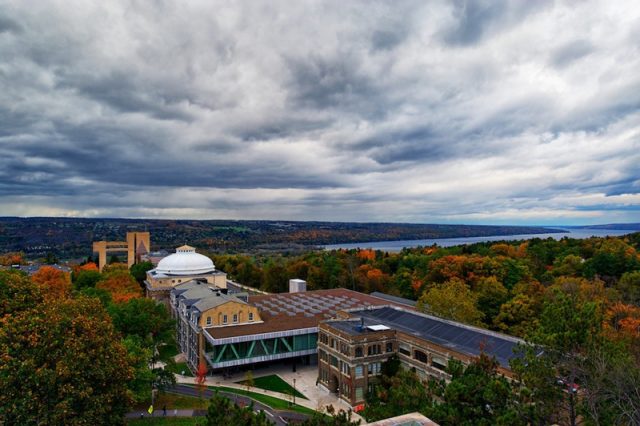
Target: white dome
column 185, row 261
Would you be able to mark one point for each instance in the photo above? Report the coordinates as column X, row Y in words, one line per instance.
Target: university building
column 352, row 348
column 348, row 334
column 232, row 330
column 180, row 267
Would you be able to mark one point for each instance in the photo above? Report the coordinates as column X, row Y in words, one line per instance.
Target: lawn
column 172, row 400
column 274, row 383
column 178, row 368
column 271, row 401
column 162, row 421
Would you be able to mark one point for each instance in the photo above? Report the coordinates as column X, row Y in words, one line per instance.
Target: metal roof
column 450, row 334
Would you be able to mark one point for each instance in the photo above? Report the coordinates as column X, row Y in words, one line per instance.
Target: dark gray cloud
column 465, row 111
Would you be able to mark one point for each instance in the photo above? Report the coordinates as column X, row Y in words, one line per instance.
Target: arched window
column 421, row 356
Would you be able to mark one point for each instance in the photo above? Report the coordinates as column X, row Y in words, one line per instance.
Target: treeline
column 79, row 348
column 67, row 238
column 574, row 301
column 498, row 285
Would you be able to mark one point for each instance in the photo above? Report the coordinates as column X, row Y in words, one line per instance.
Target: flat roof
column 449, row 334
column 291, row 311
column 397, row 299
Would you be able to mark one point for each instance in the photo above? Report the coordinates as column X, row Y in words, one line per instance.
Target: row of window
column 225, row 319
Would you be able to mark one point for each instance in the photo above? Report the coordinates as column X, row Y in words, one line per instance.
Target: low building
column 182, row 266
column 283, row 326
column 198, row 305
column 352, row 349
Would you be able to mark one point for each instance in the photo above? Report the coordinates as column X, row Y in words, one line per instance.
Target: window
column 324, row 338
column 359, row 352
column 345, row 368
column 374, row 350
column 389, row 347
column 439, row 363
column 359, row 371
column 404, row 349
column 235, row 318
column 250, row 316
column 359, row 393
column 421, row 356
column 374, row 368
column 224, row 319
column 208, row 320
column 333, row 360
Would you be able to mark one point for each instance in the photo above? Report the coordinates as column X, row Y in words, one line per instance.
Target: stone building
column 182, row 266
column 352, row 349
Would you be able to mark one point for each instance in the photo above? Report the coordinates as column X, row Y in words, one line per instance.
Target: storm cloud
column 438, row 111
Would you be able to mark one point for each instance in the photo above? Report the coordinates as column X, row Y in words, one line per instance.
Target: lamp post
column 294, row 391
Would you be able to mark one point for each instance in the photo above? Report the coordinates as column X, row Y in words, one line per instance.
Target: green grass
column 274, row 383
column 162, row 421
column 178, row 368
column 271, row 401
column 172, row 401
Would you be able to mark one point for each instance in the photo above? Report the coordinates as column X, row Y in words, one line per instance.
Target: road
column 280, row 418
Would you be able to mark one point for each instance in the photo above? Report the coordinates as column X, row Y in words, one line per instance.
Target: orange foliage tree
column 54, row 283
column 121, row 285
column 13, row 258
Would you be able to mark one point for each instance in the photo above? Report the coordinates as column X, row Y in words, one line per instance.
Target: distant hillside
column 620, row 226
column 72, row 237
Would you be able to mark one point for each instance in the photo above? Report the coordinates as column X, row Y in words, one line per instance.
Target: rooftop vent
column 297, row 286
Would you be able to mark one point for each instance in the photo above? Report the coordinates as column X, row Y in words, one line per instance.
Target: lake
column 395, row 246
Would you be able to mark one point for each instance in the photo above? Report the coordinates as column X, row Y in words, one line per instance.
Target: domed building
column 182, row 266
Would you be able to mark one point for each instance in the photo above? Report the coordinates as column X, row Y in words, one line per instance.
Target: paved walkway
column 306, row 376
column 170, row 413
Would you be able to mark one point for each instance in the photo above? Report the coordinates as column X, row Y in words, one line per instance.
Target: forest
column 82, row 348
column 576, row 299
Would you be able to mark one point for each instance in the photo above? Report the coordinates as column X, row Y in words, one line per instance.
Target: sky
column 476, row 112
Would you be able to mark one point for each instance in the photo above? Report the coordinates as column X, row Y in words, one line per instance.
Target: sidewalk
column 170, row 413
column 306, row 376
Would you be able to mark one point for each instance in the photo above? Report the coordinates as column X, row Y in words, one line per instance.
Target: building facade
column 283, row 326
column 181, row 267
column 197, row 305
column 352, row 349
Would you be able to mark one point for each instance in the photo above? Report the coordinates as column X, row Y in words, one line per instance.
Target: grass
column 271, row 401
column 274, row 383
column 172, row 400
column 178, row 368
column 162, row 421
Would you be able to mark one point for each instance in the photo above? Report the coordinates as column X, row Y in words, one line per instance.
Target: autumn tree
column 62, row 363
column 629, row 287
column 121, row 285
column 491, row 295
column 17, row 292
column 452, row 300
column 12, row 258
column 54, row 283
